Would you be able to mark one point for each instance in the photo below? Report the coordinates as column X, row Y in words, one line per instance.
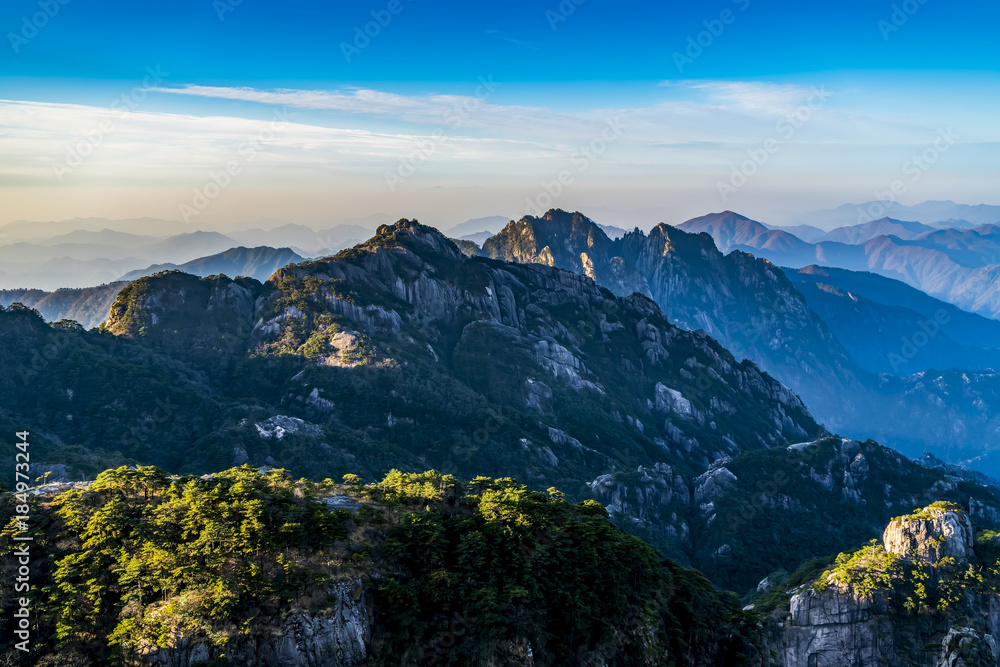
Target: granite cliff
column 926, row 595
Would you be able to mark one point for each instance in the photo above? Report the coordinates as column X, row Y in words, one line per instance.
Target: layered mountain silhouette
column 404, row 353
column 752, row 308
column 88, row 306
column 960, row 266
column 878, row 318
column 935, row 213
column 259, row 263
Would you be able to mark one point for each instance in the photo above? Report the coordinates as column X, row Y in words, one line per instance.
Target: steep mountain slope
column 409, row 294
column 747, row 305
column 968, row 247
column 892, row 339
column 88, row 306
column 94, row 400
column 934, row 271
column 890, row 327
column 753, row 309
column 811, row 499
column 732, row 231
column 404, row 353
column 399, row 353
column 807, row 233
column 967, row 328
column 259, row 263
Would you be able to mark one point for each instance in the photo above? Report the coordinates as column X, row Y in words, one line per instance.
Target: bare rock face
column 836, row 628
column 835, row 625
column 931, row 534
column 337, row 637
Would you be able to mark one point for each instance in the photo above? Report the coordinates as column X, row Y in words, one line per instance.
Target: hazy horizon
column 252, row 115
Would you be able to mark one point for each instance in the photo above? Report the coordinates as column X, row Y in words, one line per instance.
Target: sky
column 238, row 112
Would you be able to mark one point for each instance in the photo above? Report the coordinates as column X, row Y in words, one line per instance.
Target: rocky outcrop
column 338, row 637
column 833, row 622
column 835, row 629
column 411, row 284
column 655, row 497
column 931, row 534
column 204, row 321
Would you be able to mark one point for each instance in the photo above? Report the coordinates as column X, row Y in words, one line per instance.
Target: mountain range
column 754, row 310
column 960, row 266
column 855, row 345
column 259, row 263
column 406, row 353
column 940, row 214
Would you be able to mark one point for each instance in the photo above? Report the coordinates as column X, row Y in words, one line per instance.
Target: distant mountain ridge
column 88, row 306
column 856, row 234
column 960, row 266
column 935, row 213
column 402, row 352
column 258, row 263
column 755, row 311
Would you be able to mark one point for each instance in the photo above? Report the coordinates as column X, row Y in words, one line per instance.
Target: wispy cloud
column 33, row 135
column 690, row 138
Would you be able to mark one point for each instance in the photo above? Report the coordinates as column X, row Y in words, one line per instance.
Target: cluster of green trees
column 457, row 572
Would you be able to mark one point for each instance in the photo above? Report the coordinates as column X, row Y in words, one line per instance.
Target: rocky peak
column 729, row 229
column 567, row 240
column 206, row 321
column 412, row 235
column 938, row 531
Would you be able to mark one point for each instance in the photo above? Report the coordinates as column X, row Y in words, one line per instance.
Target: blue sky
column 453, row 110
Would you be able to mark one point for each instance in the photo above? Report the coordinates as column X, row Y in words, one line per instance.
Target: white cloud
column 684, row 143
column 34, row 136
